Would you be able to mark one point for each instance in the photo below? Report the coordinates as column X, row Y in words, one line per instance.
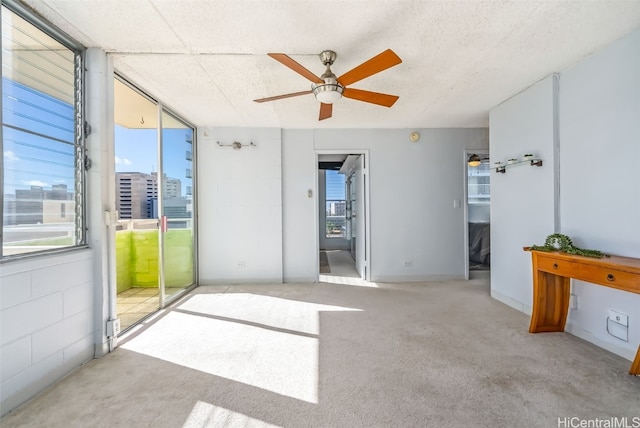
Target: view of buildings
column 38, row 205
column 137, row 197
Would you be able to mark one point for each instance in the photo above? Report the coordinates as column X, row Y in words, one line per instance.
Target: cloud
column 9, row 156
column 36, row 183
column 123, row 161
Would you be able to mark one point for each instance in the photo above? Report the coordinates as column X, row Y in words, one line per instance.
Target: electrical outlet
column 619, row 317
column 242, row 265
column 113, row 327
column 407, row 263
column 573, row 301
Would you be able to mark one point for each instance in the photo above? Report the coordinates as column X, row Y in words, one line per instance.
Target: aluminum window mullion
column 80, row 152
column 45, row 26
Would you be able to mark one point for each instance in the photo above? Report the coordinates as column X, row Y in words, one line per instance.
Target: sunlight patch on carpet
column 208, row 415
column 267, row 310
column 262, row 341
column 347, row 280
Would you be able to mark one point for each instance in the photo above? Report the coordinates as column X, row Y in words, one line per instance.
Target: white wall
column 599, row 184
column 300, row 259
column 599, row 205
column 522, row 199
column 412, row 213
column 240, row 206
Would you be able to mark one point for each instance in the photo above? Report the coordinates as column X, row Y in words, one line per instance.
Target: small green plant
column 560, row 242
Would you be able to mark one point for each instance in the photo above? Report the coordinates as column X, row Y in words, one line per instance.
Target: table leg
column 550, row 302
column 635, row 367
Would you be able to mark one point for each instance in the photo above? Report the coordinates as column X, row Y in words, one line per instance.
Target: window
column 479, row 188
column 335, row 204
column 42, row 141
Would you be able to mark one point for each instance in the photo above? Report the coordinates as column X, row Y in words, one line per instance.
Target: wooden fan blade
column 286, row 60
column 370, row 97
column 325, row 111
column 279, row 97
column 375, row 65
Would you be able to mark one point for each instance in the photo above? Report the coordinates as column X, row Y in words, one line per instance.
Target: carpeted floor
column 435, row 354
column 324, row 262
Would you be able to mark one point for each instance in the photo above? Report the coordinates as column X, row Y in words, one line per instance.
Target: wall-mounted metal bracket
column 236, row 145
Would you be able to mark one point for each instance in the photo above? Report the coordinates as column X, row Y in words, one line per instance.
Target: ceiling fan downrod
column 330, row 91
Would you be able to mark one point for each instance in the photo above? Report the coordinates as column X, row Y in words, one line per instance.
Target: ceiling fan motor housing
column 328, row 57
column 330, row 91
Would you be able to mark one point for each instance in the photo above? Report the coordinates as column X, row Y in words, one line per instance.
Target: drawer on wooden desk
column 555, row 266
column 609, row 277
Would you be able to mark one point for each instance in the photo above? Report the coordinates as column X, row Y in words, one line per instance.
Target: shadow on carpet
column 324, row 263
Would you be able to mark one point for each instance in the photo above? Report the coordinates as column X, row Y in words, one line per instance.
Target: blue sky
column 47, row 160
column 34, row 160
column 136, row 151
column 335, row 185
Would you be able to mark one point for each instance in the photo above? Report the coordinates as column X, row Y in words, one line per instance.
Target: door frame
column 367, row 206
column 113, row 217
column 467, row 153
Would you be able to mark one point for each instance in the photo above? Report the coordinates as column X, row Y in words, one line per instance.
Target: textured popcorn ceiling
column 207, row 59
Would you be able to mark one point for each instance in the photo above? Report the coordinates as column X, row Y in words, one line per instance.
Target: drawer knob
column 610, row 277
column 555, row 265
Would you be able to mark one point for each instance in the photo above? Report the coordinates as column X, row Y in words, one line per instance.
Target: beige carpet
column 324, row 263
column 440, row 354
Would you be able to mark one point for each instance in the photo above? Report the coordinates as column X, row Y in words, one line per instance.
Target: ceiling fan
column 328, row 88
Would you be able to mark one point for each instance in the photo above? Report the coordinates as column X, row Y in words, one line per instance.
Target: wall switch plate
column 619, row 317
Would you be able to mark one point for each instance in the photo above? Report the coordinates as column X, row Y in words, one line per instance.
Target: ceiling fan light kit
column 328, row 88
column 328, row 93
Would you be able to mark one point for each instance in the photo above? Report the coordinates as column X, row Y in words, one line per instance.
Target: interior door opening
column 342, row 220
column 477, row 210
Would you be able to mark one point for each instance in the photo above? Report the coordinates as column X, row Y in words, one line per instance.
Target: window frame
column 81, row 160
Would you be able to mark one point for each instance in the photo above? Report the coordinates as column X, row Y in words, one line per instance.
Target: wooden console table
column 552, row 272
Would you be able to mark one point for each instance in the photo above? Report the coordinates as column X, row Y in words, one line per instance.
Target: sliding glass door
column 154, row 235
column 177, row 205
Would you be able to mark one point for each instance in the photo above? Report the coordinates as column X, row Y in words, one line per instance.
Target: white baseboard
column 417, row 278
column 577, row 331
column 300, row 280
column 240, row 281
column 570, row 328
column 515, row 304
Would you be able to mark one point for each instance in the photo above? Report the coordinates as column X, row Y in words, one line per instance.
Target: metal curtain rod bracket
column 236, row 145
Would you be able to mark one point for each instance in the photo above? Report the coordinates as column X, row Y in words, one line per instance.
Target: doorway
column 154, row 233
column 343, row 244
column 477, row 211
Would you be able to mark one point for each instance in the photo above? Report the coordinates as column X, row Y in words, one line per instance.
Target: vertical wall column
column 523, row 201
column 100, row 187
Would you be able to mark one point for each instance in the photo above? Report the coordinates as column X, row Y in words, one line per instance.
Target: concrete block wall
column 46, row 322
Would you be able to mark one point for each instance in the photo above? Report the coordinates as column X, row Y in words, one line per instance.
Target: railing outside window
column 336, row 218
